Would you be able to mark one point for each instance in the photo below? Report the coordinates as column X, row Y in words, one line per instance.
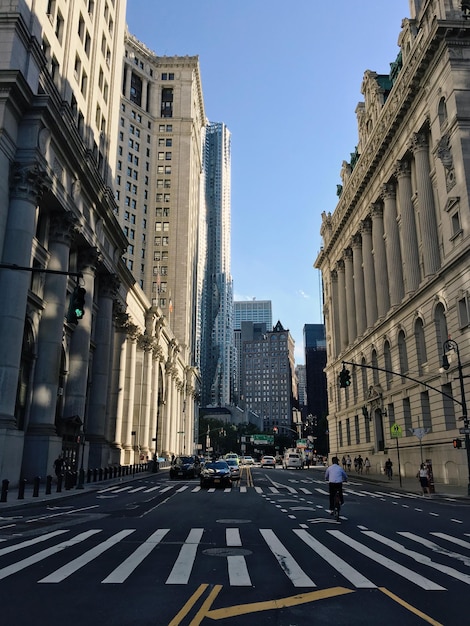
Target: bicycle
column 336, row 505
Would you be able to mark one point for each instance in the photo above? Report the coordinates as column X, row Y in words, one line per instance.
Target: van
column 292, row 459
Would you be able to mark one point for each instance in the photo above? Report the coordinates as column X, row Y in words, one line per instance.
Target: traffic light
column 344, row 378
column 76, row 305
column 457, row 443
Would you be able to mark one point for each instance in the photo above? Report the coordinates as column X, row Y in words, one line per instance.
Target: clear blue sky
column 285, row 77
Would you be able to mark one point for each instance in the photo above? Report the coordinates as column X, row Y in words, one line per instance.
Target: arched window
column 440, row 322
column 365, row 385
column 388, row 364
column 402, row 354
column 375, row 364
column 420, row 345
column 24, row 377
column 442, row 112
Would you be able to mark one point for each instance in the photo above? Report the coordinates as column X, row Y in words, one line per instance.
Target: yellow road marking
column 269, row 605
column 413, row 609
column 203, row 611
column 188, row 605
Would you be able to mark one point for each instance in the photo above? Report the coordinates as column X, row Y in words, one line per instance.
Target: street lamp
column 134, row 434
column 450, row 344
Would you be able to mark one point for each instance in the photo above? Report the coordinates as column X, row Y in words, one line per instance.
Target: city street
column 155, row 551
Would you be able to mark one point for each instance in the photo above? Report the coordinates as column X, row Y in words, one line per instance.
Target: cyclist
column 335, row 475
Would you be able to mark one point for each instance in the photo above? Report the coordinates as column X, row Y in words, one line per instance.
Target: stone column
column 144, row 94
column 335, row 329
column 129, row 439
column 167, row 416
column 156, row 401
column 425, row 199
column 392, row 245
column 350, row 298
column 27, row 185
column 369, row 275
column 128, row 71
column 42, row 445
column 118, row 385
column 343, row 311
column 380, row 260
column 146, row 345
column 96, row 424
column 359, row 293
column 79, row 357
column 407, row 227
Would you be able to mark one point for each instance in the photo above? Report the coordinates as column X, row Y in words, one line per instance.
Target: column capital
column 366, row 226
column 108, row 285
column 419, row 141
column 88, row 259
column 62, row 227
column 376, row 210
column 334, row 276
column 388, row 191
column 28, row 182
column 403, row 169
column 340, row 265
column 348, row 254
column 356, row 241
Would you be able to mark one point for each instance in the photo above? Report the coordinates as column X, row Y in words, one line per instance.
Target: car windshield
column 217, row 465
column 232, row 462
column 184, row 459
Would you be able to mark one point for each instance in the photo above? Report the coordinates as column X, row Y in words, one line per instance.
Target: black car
column 215, row 473
column 185, row 467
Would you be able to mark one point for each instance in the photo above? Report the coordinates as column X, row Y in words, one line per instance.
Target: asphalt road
column 161, row 552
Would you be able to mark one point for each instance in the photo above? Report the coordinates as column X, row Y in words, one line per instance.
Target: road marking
column 436, row 548
column 31, row 542
column 137, row 489
column 459, row 542
column 237, row 569
column 121, row 573
column 39, row 556
column 38, row 519
column 287, row 562
column 419, row 558
column 410, row 608
column 183, row 566
column 188, row 605
column 84, row 559
column 351, row 574
column 401, row 570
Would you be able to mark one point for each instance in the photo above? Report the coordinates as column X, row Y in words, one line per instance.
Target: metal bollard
column 4, row 495
column 100, row 474
column 105, row 473
column 89, row 475
column 36, row 483
column 48, row 485
column 21, row 488
column 95, row 475
column 59, row 483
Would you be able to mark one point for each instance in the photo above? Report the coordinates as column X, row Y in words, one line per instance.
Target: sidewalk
column 409, row 484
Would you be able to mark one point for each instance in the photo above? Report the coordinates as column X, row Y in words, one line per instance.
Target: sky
column 285, row 77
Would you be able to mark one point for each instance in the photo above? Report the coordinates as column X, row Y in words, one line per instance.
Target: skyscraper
column 217, row 342
column 252, row 311
column 158, row 180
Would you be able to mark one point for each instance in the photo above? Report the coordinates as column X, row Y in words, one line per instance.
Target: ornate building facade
column 116, row 386
column 395, row 255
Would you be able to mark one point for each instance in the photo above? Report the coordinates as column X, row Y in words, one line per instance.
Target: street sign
column 464, row 431
column 419, row 432
column 263, row 440
column 396, row 431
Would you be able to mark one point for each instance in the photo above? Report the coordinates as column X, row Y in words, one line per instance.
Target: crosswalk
column 433, row 561
column 269, row 489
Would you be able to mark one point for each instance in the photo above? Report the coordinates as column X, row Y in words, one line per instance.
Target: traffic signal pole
column 9, row 266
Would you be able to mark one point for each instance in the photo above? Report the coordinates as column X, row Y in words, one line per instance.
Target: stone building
column 104, row 389
column 395, row 255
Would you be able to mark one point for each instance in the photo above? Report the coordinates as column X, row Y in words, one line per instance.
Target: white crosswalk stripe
column 340, row 553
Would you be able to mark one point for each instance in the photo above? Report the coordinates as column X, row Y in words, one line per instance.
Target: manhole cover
column 224, row 552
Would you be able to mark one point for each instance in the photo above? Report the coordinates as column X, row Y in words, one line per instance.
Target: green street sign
column 263, row 440
column 396, row 431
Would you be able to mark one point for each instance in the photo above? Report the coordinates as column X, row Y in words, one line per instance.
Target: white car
column 292, row 459
column 268, row 461
column 247, row 460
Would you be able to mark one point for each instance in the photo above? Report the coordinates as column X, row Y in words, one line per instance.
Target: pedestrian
column 389, row 468
column 367, row 464
column 355, row 463
column 343, row 462
column 423, row 478
column 59, row 466
column 360, row 463
column 348, row 463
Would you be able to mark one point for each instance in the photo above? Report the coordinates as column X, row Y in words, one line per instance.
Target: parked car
column 292, row 459
column 185, row 467
column 216, row 473
column 247, row 460
column 234, row 468
column 268, row 461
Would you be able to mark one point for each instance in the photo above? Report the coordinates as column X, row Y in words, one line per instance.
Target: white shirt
column 335, row 474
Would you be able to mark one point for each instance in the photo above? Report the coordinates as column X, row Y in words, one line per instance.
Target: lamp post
column 134, row 435
column 448, row 345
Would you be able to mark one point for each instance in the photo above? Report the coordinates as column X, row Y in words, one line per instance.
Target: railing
column 71, row 479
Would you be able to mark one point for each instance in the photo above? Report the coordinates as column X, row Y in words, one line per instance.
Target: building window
column 402, row 354
column 167, row 102
column 463, row 306
column 136, row 89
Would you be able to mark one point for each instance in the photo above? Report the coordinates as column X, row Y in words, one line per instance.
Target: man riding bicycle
column 335, row 475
